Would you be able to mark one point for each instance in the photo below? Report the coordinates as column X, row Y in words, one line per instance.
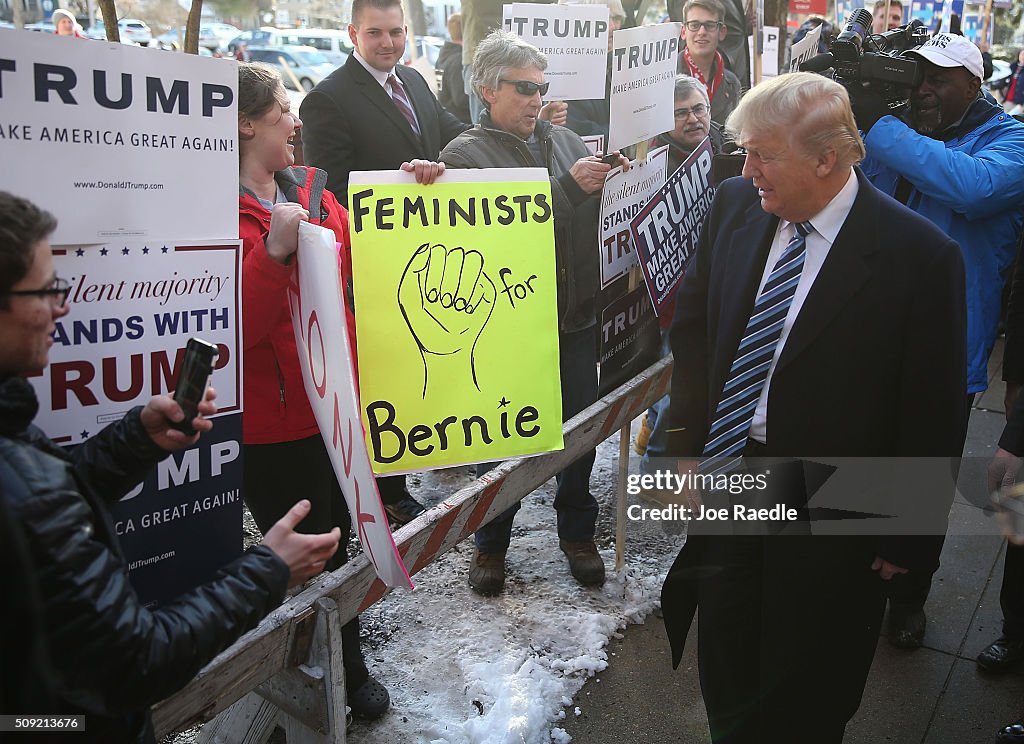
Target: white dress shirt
column 827, row 223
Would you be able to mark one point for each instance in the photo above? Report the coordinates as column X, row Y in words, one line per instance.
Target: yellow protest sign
column 456, row 317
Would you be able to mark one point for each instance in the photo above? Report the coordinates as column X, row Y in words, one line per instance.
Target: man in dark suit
column 818, row 318
column 373, row 113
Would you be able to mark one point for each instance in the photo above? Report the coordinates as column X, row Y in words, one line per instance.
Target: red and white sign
column 328, row 373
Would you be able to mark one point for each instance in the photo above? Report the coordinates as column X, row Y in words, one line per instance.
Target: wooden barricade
column 288, row 669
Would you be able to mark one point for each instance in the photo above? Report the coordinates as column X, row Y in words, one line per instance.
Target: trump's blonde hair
column 814, row 110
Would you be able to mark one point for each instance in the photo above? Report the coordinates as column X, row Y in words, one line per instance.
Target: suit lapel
column 380, row 98
column 748, row 251
column 841, row 277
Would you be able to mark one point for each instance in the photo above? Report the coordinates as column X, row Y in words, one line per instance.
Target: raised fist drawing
column 446, row 299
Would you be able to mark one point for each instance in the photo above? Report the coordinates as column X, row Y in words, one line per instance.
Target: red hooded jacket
column 276, row 406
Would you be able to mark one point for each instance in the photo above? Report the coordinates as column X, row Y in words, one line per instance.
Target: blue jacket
column 972, row 187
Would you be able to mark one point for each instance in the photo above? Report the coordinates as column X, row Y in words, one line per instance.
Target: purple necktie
column 402, row 102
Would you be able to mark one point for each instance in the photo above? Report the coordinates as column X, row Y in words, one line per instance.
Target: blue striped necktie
column 749, row 371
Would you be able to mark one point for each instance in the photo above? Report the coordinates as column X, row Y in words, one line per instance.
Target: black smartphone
column 611, row 159
column 196, row 369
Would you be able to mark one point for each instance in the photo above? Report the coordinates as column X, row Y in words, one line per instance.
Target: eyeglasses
column 710, row 26
column 57, row 292
column 527, row 88
column 684, row 113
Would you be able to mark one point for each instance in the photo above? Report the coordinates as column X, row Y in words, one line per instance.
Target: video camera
column 860, row 59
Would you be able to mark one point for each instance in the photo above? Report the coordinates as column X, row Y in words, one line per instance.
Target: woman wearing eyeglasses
column 508, row 73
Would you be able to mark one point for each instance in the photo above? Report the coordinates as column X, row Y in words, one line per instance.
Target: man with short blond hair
column 787, row 346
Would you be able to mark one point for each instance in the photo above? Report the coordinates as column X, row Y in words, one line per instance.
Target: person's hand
column 868, row 106
column 687, row 469
column 885, row 569
column 1010, row 398
column 589, row 173
column 426, row 171
column 161, row 411
column 557, row 112
column 283, row 238
column 1003, row 470
column 621, row 162
column 305, row 555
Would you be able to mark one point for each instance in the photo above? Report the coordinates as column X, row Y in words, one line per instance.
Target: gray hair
column 500, row 51
column 812, row 110
column 686, row 86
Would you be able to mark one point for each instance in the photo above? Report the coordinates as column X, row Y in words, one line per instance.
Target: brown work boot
column 642, row 437
column 487, row 573
column 584, row 562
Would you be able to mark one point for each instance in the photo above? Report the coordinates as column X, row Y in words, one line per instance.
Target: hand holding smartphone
column 193, row 380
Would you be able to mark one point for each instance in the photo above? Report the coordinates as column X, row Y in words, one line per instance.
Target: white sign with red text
column 328, row 373
column 134, row 306
column 623, row 196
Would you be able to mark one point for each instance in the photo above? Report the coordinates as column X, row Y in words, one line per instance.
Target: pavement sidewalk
column 934, row 695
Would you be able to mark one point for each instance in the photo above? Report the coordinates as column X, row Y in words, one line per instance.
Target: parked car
column 426, row 46
column 295, row 63
column 217, row 35
column 131, row 30
column 335, row 45
column 267, row 36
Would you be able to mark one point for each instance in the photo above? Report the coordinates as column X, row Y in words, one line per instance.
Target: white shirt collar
column 380, row 77
column 829, row 221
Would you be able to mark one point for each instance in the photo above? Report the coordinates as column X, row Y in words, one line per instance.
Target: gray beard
column 927, row 123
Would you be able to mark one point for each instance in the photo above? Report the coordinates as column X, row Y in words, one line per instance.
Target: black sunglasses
column 527, row 88
column 57, row 292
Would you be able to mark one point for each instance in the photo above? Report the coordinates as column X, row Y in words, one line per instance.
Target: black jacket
column 576, row 213
column 112, row 656
column 874, row 367
column 453, row 94
column 350, row 123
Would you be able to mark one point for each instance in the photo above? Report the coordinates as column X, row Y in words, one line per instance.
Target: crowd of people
column 843, row 301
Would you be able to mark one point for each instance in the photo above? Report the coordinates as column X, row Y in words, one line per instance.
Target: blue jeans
column 657, row 419
column 576, row 507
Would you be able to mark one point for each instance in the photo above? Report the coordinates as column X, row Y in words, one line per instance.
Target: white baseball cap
column 950, row 50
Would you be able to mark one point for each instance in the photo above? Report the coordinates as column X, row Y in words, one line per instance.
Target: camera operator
column 111, row 657
column 956, row 159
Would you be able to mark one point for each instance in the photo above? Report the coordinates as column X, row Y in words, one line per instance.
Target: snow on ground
column 465, row 669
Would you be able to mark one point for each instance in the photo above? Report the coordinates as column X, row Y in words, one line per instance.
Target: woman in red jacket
column 285, row 457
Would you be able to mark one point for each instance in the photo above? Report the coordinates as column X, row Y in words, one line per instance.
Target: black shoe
column 585, row 562
column 1001, row 655
column 1012, row 734
column 370, row 700
column 487, row 573
column 906, row 627
column 404, row 509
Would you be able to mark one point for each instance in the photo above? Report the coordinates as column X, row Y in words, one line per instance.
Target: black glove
column 868, row 106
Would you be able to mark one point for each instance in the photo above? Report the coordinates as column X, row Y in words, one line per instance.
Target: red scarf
column 718, row 66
